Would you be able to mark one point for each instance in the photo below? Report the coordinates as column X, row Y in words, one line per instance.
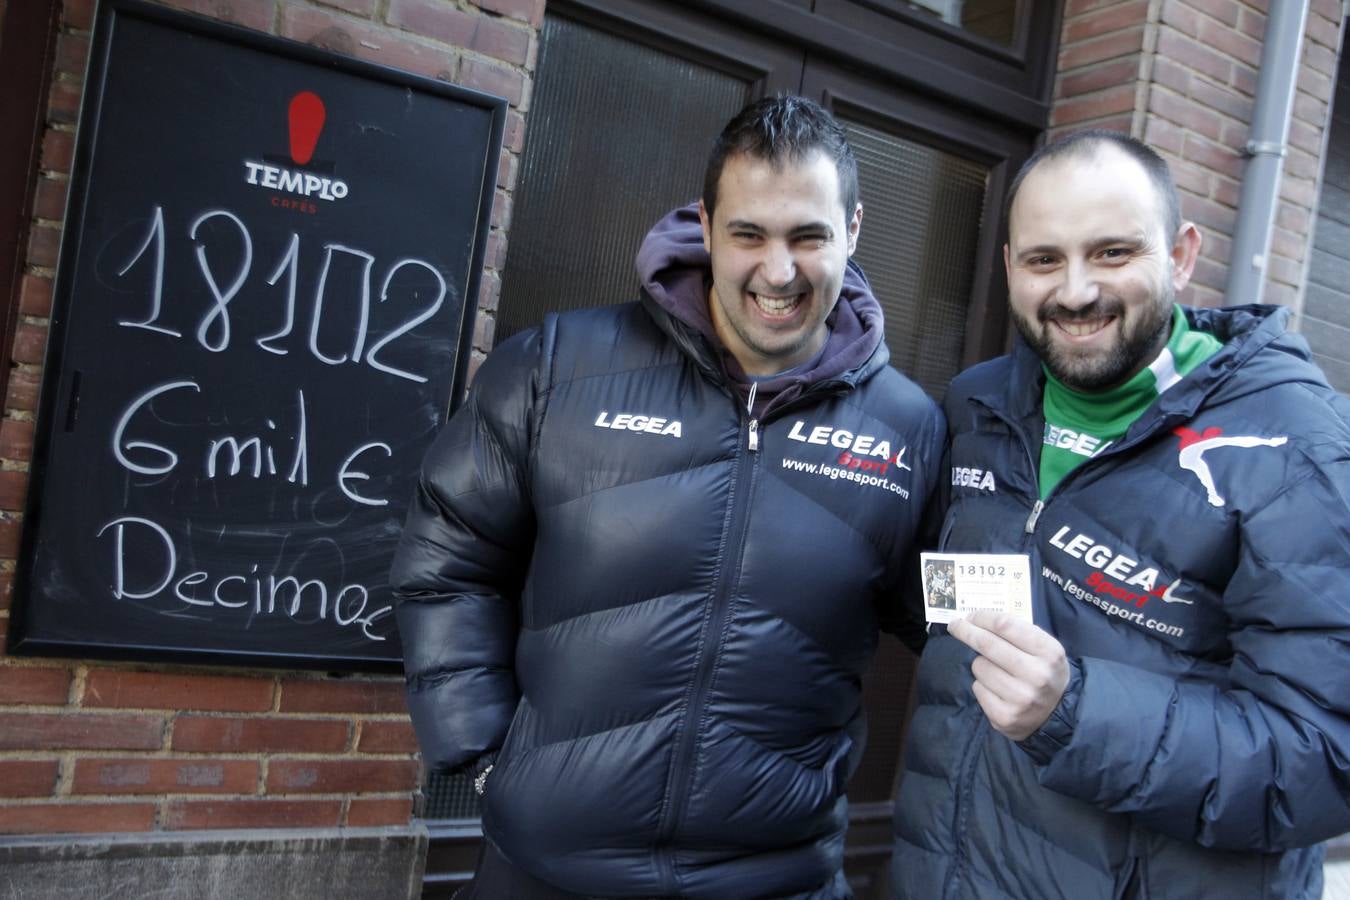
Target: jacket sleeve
column 459, row 566
column 905, row 617
column 1263, row 762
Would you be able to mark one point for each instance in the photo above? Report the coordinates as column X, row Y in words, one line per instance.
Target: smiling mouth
column 778, row 307
column 1083, row 328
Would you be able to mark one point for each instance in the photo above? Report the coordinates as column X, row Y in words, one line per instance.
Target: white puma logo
column 1194, row 446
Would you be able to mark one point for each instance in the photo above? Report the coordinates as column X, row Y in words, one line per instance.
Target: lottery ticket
column 955, row 584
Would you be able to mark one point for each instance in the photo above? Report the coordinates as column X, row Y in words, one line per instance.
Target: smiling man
column 646, row 566
column 1176, row 723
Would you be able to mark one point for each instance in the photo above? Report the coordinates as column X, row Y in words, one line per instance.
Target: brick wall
column 1181, row 75
column 99, row 747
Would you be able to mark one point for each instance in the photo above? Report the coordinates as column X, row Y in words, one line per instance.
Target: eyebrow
column 1104, row 241
column 807, row 228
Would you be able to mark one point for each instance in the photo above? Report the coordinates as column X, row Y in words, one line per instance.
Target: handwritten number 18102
column 214, row 328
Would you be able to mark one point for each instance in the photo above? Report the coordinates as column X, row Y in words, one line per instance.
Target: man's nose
column 778, row 267
column 1080, row 288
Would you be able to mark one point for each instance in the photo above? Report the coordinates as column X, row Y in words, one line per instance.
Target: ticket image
column 955, row 584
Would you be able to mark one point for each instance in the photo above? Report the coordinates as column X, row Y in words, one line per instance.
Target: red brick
column 1293, row 218
column 6, row 589
column 1301, row 163
column 483, row 75
column 1226, row 11
column 1284, row 269
column 1104, row 21
column 34, row 685
column 342, row 35
column 78, row 14
column 1181, row 16
column 1080, row 109
column 255, row 14
column 1323, row 59
column 22, row 392
column 77, row 731
column 49, row 201
column 387, row 736
column 28, row 777
column 11, row 532
column 356, row 7
column 257, row 813
column 438, row 21
column 501, row 211
column 1310, row 109
column 1329, row 9
column 1209, row 274
column 1208, row 214
column 1219, row 159
column 1224, row 39
column 30, row 342
column 489, row 292
column 1078, row 7
column 507, row 167
column 1218, row 247
column 1192, row 178
column 1323, row 30
column 513, row 137
column 72, row 52
column 1121, row 123
column 1298, row 190
column 57, row 149
column 1084, row 81
column 63, row 103
column 1283, row 243
column 337, row 776
column 35, row 296
column 1222, row 98
column 1120, row 43
column 484, row 329
column 531, row 11
column 344, row 696
column 1163, row 136
column 16, row 439
column 44, row 246
column 1314, row 83
column 1175, row 45
column 211, row 734
column 1226, row 193
column 1244, row 79
column 13, row 493
column 1252, row 23
column 370, row 813
column 1185, row 113
column 1280, row 294
column 495, row 253
column 76, row 818
column 161, row 690
column 164, row 776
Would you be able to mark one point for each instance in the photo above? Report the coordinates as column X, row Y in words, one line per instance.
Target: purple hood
column 675, row 270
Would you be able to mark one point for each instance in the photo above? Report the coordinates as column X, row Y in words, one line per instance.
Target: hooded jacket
column 656, row 604
column 1196, row 574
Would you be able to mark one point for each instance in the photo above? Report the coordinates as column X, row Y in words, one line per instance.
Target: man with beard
column 1176, row 723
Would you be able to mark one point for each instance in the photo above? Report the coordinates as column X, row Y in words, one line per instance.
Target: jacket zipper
column 710, row 643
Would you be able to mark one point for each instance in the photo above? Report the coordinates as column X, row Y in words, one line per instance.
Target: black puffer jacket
column 673, row 624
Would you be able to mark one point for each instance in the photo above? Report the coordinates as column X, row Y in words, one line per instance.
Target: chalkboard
column 262, row 315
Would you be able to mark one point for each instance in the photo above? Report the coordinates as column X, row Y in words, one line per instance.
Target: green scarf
column 1078, row 426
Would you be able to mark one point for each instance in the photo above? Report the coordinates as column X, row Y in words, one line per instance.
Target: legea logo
column 305, row 117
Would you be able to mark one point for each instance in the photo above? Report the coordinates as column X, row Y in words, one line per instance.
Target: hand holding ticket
column 956, row 584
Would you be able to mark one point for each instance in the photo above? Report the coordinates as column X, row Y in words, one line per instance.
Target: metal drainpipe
column 1266, row 148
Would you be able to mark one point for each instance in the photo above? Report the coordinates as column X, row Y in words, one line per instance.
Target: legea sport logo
column 305, row 178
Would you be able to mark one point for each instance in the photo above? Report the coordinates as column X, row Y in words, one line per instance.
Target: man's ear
column 854, row 227
column 707, row 226
column 1185, row 251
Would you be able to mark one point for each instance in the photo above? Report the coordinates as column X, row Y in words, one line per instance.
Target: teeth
column 777, row 305
column 1083, row 329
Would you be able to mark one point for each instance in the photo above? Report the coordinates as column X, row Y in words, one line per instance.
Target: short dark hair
column 784, row 129
column 1086, row 143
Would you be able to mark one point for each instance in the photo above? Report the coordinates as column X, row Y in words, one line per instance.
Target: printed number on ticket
column 955, row 584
